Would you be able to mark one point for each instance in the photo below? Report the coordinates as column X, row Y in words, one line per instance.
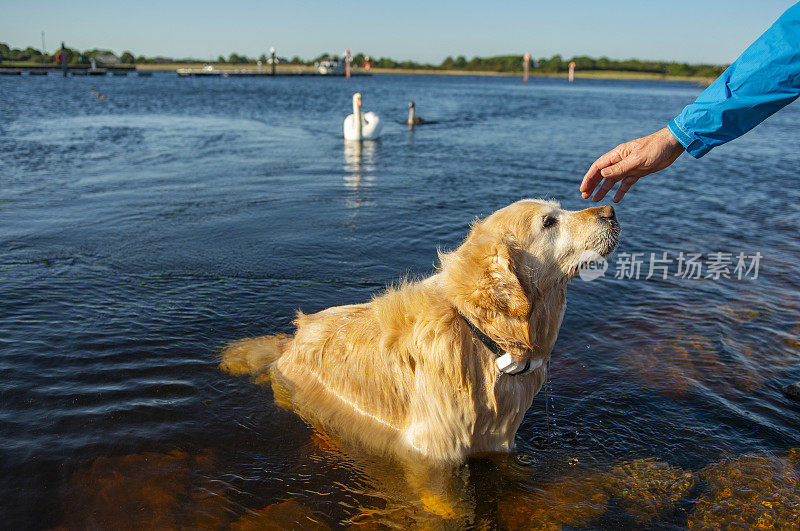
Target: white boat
column 330, row 66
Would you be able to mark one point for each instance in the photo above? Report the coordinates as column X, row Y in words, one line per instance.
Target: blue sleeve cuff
column 694, row 147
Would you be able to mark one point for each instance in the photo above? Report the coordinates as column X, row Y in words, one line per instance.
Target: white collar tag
column 507, row 365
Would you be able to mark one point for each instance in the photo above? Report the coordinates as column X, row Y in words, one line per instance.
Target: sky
column 699, row 31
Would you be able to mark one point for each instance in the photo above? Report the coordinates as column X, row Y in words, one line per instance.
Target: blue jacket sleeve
column 764, row 79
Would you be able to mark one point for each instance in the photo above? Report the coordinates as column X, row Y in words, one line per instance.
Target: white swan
column 359, row 126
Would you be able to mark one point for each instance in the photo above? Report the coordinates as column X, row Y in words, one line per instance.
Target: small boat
column 330, row 66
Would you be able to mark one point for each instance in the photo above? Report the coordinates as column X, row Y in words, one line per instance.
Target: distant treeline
column 31, row 54
column 500, row 63
column 552, row 65
column 555, row 64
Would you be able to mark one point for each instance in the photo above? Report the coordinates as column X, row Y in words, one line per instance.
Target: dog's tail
column 254, row 354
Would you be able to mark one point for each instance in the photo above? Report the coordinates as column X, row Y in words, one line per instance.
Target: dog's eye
column 549, row 221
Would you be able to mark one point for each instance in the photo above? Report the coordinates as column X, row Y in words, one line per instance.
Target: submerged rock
column 571, row 500
column 645, row 488
column 680, row 366
column 793, row 339
column 648, row 488
column 740, row 314
column 675, row 367
column 287, row 514
column 145, row 491
column 792, row 391
column 752, row 491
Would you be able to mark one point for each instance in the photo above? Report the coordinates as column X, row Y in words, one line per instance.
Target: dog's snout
column 607, row 212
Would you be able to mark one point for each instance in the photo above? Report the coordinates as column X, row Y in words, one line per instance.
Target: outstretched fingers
column 593, row 176
column 607, row 185
column 624, row 169
column 624, row 186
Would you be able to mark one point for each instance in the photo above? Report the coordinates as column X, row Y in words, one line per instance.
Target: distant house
column 107, row 58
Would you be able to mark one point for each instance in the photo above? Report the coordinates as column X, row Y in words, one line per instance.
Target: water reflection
column 359, row 167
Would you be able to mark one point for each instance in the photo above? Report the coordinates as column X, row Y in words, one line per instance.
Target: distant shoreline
column 586, row 74
column 289, row 68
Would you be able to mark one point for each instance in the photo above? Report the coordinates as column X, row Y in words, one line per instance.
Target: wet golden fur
column 403, row 373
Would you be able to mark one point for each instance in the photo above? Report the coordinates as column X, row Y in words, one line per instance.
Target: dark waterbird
column 413, row 119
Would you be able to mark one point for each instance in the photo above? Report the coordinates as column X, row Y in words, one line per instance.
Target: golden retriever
column 442, row 368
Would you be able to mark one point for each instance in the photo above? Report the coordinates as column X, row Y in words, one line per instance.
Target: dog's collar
column 505, row 361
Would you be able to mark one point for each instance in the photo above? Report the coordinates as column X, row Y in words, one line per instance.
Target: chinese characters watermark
column 663, row 265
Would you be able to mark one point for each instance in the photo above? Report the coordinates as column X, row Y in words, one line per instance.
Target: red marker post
column 572, row 71
column 347, row 63
column 526, row 61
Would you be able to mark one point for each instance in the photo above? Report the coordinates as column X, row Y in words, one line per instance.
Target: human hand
column 628, row 162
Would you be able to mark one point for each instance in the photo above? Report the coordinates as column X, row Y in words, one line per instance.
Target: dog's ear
column 502, row 283
column 522, row 272
column 487, row 274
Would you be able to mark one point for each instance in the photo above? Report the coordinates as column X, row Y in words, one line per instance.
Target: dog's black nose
column 607, row 212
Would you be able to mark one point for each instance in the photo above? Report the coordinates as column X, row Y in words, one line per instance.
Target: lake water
column 141, row 233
